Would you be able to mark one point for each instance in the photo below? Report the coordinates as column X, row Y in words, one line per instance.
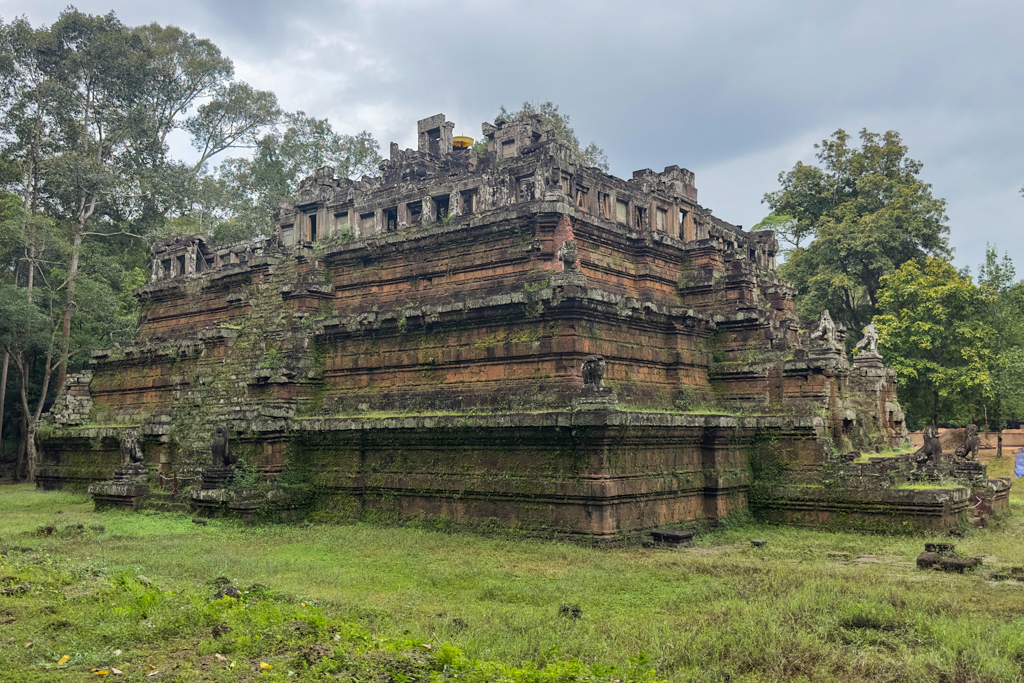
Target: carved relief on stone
column 869, row 344
column 131, row 448
column 969, row 448
column 221, row 448
column 826, row 331
column 568, row 255
column 593, row 372
column 932, row 448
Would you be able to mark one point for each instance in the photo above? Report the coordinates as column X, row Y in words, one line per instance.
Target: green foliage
column 866, row 211
column 557, row 125
column 1005, row 314
column 933, row 331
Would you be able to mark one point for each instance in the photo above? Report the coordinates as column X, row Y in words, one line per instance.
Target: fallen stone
column 571, row 611
column 20, row 589
column 759, row 543
column 98, row 528
column 959, row 564
column 227, row 591
column 927, row 560
column 200, row 522
column 145, row 581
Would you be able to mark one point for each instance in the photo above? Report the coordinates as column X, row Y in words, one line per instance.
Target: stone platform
column 417, row 345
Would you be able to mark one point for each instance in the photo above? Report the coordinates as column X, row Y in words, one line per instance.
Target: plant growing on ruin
column 557, row 126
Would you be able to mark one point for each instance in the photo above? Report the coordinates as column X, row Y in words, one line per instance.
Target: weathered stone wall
column 412, row 345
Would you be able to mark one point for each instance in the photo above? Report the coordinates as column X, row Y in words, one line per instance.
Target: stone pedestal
column 217, row 477
column 125, row 492
column 866, row 359
column 594, row 398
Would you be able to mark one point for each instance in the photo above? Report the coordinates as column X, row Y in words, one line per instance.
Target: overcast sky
column 734, row 91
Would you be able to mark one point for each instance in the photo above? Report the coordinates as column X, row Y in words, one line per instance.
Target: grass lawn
column 362, row 602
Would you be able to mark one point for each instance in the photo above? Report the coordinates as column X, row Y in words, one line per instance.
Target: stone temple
column 496, row 337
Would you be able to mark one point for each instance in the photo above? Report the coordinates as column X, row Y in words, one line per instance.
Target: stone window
column 604, row 204
column 366, row 223
column 565, row 181
column 581, row 198
column 415, row 210
column 167, row 268
column 467, row 202
column 341, row 220
column 639, row 217
column 311, row 223
column 685, row 226
column 622, row 211
column 181, row 265
column 391, row 219
column 508, row 148
column 661, row 218
column 288, row 235
column 525, row 190
column 442, row 206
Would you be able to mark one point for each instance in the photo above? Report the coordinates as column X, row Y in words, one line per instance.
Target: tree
column 557, row 124
column 253, row 186
column 867, row 212
column 786, row 228
column 933, row 332
column 1005, row 314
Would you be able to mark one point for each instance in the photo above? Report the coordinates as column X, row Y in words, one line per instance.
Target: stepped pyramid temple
column 496, row 337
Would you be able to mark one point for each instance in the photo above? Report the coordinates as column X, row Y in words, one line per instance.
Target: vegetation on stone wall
column 88, row 181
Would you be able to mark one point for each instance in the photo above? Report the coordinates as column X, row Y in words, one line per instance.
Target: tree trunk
column 69, row 305
column 19, row 466
column 935, row 408
column 3, row 397
column 32, row 418
column 999, row 444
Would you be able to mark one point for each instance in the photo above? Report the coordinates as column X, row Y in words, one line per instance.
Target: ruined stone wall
column 412, row 345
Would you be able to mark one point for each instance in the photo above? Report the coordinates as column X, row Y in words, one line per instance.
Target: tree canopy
column 862, row 213
column 88, row 180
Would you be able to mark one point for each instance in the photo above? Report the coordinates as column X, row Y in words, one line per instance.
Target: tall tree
column 867, row 212
column 933, row 331
column 1005, row 314
column 253, row 186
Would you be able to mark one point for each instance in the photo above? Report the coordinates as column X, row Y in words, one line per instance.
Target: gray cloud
column 735, row 91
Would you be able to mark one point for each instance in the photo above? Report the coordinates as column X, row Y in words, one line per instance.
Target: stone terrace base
column 595, row 475
column 936, row 509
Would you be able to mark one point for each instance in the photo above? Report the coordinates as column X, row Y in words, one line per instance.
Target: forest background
column 88, row 182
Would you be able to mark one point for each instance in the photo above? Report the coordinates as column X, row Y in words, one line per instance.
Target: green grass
column 721, row 610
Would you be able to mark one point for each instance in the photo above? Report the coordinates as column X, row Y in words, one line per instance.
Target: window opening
column 167, row 268
column 621, row 211
column 662, row 220
column 312, row 227
column 366, row 222
column 685, row 226
column 508, row 148
column 391, row 219
column 442, row 206
column 639, row 217
column 415, row 211
column 467, row 200
column 565, row 181
column 604, row 205
column 581, row 198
